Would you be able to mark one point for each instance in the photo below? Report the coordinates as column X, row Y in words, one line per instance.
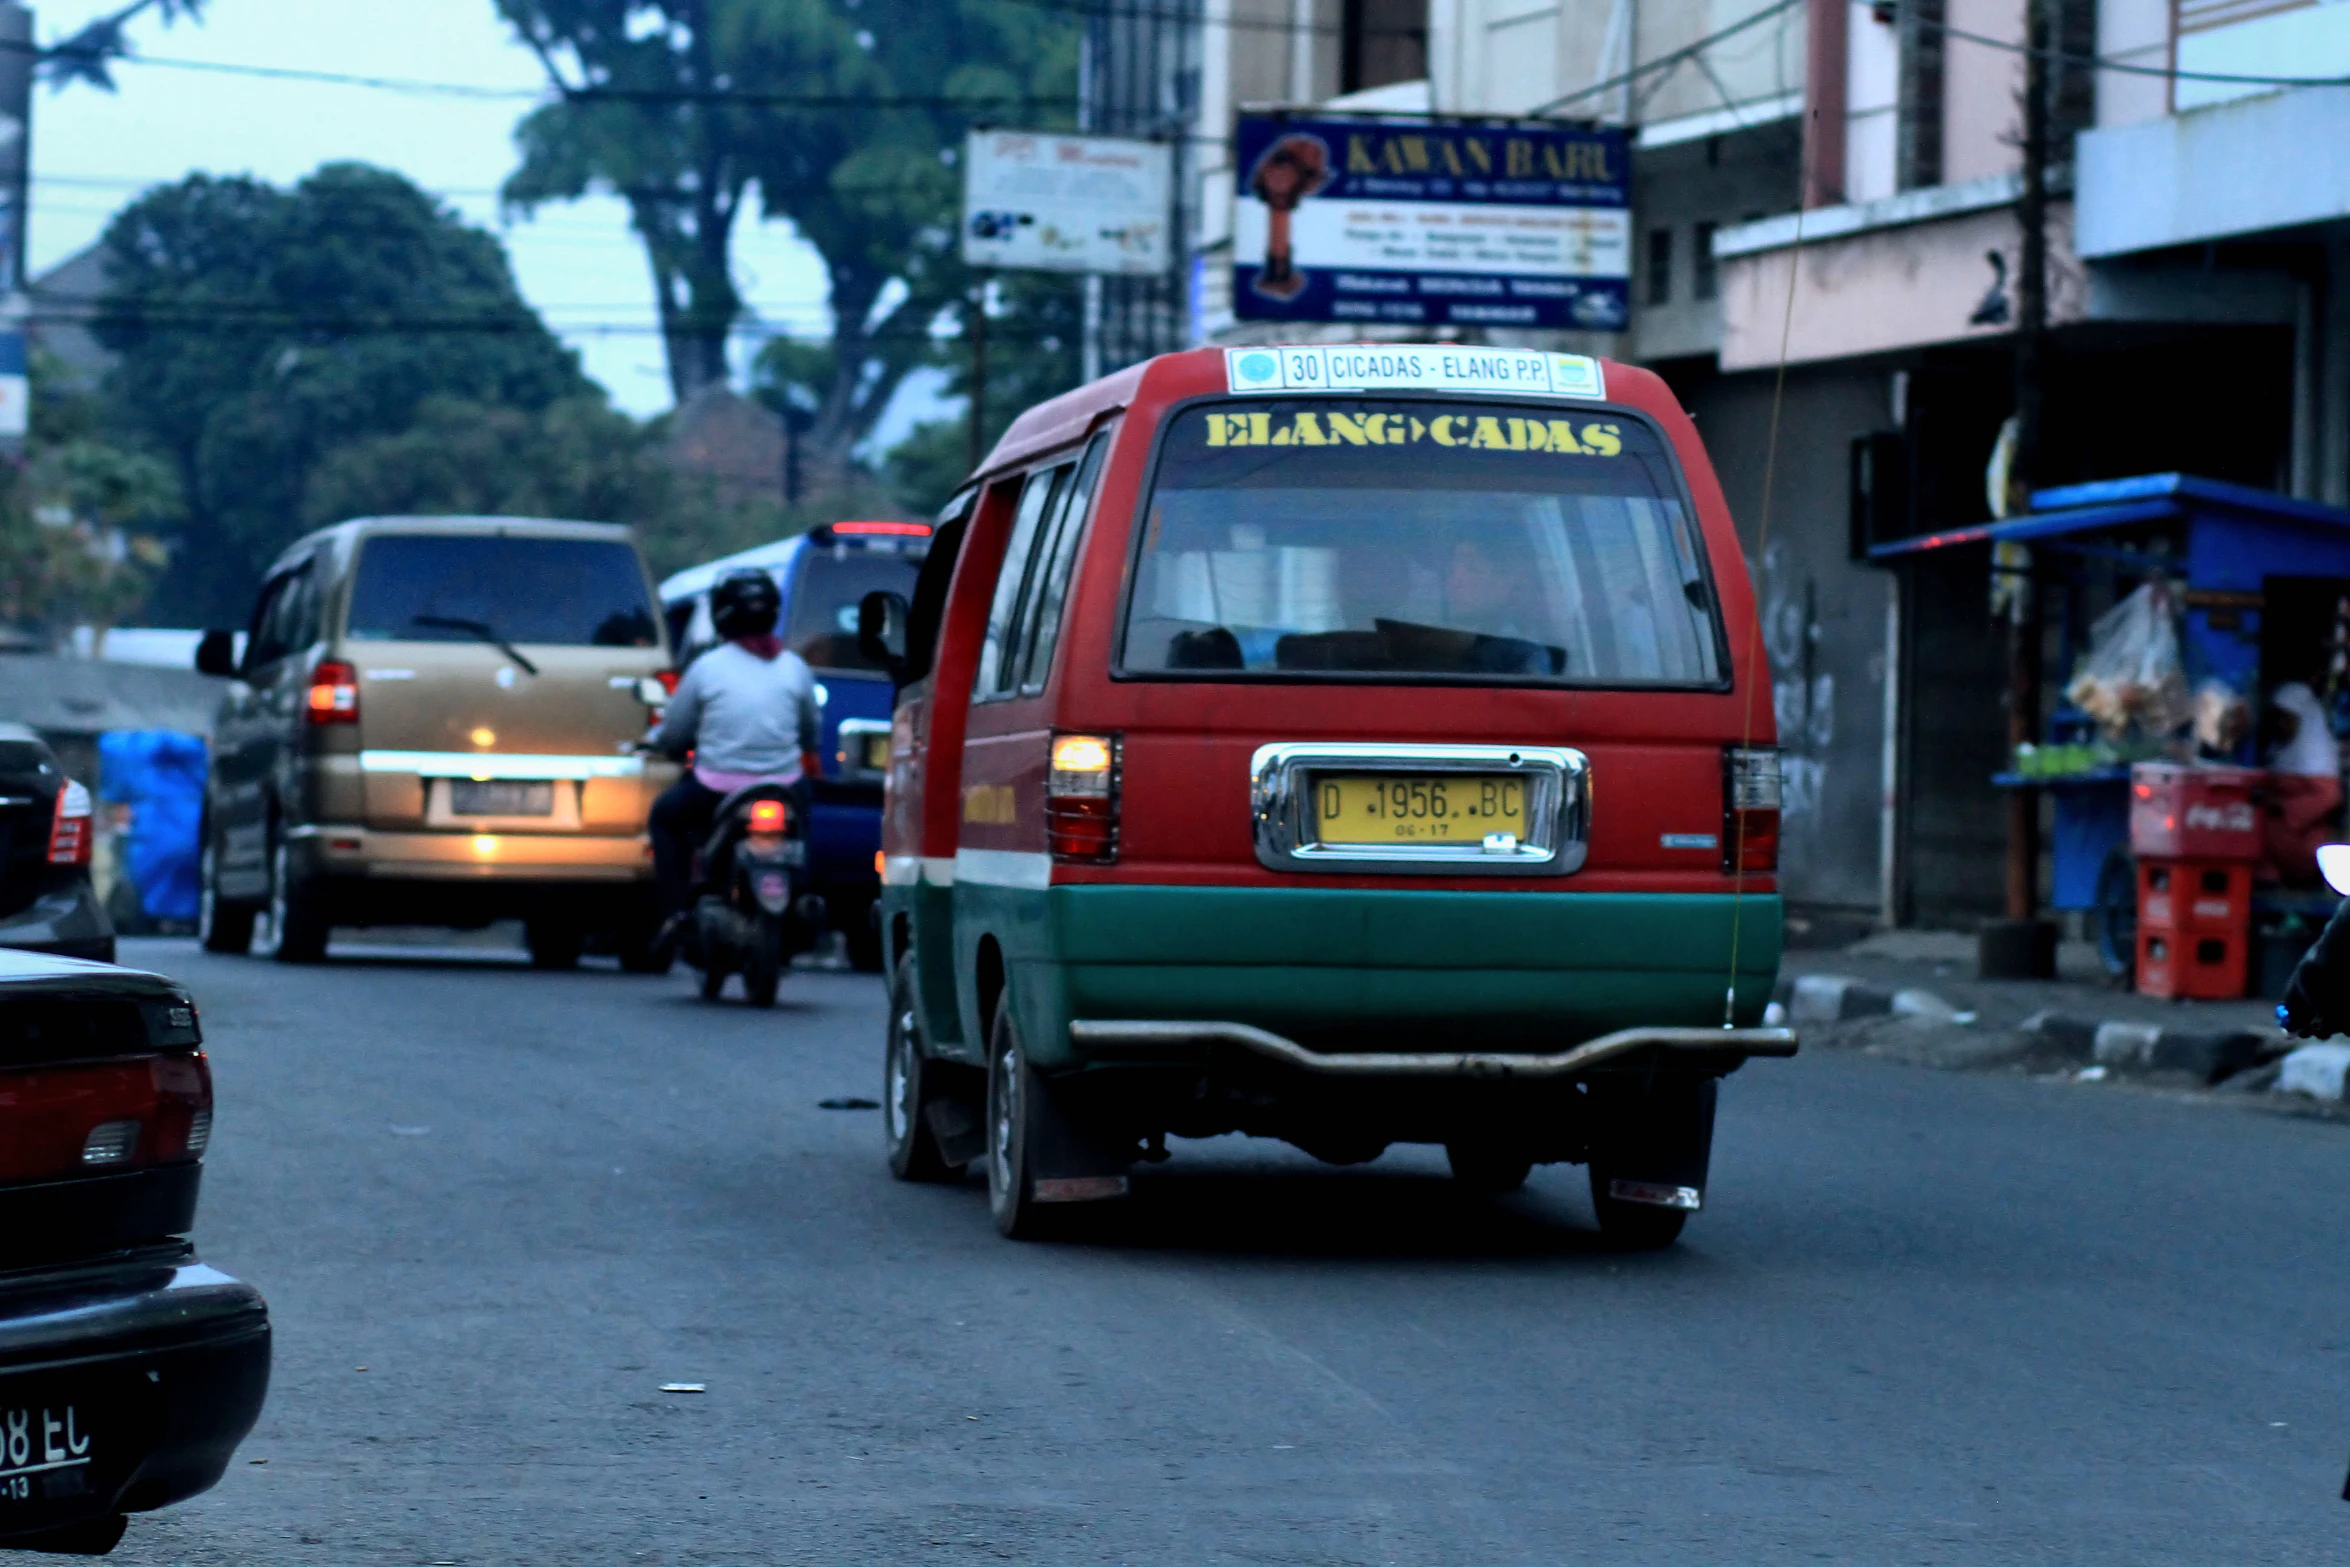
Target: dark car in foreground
column 48, row 823
column 129, row 1371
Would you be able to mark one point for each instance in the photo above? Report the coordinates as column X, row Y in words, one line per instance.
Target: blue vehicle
column 824, row 575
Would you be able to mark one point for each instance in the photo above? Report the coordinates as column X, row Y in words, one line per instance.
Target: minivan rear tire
column 222, row 924
column 554, row 942
column 906, row 1081
column 1015, row 1107
column 297, row 925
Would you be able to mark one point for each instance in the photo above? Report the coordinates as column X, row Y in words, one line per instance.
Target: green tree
column 845, row 116
column 257, row 331
column 80, row 516
column 1036, row 329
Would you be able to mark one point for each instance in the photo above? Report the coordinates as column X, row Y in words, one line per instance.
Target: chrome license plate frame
column 1558, row 809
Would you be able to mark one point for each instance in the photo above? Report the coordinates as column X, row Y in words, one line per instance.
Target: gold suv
column 432, row 723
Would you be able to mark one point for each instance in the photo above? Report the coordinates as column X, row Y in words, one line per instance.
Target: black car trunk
column 77, row 1052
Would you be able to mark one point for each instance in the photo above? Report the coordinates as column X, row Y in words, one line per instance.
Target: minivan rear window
column 1337, row 538
column 821, row 624
column 458, row 587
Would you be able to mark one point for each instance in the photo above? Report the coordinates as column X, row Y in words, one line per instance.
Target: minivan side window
column 1057, row 556
column 928, row 611
column 997, row 673
column 276, row 620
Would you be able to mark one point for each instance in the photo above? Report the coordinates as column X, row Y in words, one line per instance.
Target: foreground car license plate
column 1352, row 809
column 473, row 797
column 50, row 1451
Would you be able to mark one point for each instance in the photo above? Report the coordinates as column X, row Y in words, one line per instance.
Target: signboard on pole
column 1501, row 225
column 1066, row 203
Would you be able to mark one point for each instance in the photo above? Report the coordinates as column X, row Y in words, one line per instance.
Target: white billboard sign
column 1066, row 203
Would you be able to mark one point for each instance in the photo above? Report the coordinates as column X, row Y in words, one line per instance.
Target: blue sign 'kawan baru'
column 1507, row 225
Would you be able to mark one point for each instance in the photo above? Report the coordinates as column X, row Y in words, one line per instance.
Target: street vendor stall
column 2202, row 624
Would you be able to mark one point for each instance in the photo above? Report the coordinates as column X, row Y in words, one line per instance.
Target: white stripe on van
column 499, row 764
column 1004, row 868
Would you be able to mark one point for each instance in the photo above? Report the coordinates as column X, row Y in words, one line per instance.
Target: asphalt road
column 1927, row 1319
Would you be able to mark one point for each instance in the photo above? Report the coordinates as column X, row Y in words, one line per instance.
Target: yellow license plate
column 1390, row 808
column 877, row 753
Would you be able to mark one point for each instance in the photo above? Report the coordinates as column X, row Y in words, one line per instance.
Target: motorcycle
column 750, row 916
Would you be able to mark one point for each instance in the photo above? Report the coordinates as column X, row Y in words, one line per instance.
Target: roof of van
column 353, row 529
column 699, row 579
column 1061, row 420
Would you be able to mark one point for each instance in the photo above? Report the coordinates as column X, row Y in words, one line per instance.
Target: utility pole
column 978, row 396
column 2024, row 945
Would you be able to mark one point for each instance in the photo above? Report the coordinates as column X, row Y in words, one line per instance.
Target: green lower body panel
column 1382, row 969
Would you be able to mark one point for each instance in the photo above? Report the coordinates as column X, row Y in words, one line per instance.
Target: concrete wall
column 1882, row 287
column 1824, row 615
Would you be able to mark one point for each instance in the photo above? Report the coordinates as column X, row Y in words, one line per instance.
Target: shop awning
column 2123, row 503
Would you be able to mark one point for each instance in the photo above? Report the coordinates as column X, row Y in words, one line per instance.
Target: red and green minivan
column 1344, row 745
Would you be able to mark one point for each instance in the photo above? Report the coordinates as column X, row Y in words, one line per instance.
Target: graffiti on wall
column 1803, row 696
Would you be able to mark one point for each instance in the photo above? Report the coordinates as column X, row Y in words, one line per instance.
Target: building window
column 1660, row 266
column 1917, row 148
column 1381, row 42
column 1706, row 274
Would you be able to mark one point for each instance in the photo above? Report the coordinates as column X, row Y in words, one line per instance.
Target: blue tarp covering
column 159, row 774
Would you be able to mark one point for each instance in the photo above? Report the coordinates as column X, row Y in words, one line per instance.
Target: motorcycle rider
column 747, row 711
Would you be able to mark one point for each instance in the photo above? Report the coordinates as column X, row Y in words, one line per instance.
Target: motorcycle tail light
column 767, row 816
column 1081, row 799
column 70, row 829
column 1750, row 810
column 334, row 693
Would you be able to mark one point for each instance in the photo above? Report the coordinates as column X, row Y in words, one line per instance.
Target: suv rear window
column 437, row 587
column 821, row 624
column 1336, row 538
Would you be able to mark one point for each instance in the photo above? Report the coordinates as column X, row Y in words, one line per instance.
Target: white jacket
column 742, row 713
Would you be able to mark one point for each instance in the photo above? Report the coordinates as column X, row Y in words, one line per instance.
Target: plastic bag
column 2132, row 673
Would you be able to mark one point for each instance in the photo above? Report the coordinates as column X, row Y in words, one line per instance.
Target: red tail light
column 767, row 816
column 102, row 1118
column 71, row 828
column 1081, row 799
column 334, row 693
column 668, row 679
column 1750, row 810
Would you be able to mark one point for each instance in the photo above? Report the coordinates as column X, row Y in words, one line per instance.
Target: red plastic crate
column 2194, row 928
column 2194, row 813
column 2195, row 895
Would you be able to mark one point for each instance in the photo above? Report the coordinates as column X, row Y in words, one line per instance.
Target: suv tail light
column 104, row 1117
column 1081, row 799
column 1750, row 809
column 334, row 693
column 70, row 829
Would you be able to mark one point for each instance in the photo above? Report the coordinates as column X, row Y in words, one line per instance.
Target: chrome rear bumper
column 1736, row 1041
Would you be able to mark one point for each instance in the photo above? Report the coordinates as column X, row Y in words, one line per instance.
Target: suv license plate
column 473, row 797
column 1366, row 809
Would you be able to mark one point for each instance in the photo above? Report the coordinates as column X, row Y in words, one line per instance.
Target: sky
column 578, row 263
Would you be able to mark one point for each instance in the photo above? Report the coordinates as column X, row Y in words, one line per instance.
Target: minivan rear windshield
column 821, row 625
column 448, row 587
column 1335, row 538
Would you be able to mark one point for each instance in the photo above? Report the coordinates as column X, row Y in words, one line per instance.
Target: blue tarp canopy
column 2114, row 504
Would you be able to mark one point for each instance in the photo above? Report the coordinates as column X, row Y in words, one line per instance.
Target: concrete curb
column 2151, row 1049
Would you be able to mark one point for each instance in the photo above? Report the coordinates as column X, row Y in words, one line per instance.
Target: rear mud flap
column 1068, row 1160
column 1655, row 1146
column 959, row 1129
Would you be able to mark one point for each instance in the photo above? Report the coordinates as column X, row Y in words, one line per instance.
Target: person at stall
column 2304, row 793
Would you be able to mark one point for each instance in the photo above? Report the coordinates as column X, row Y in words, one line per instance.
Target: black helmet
column 745, row 604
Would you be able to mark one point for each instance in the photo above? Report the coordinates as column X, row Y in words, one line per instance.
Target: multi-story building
column 1826, row 248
